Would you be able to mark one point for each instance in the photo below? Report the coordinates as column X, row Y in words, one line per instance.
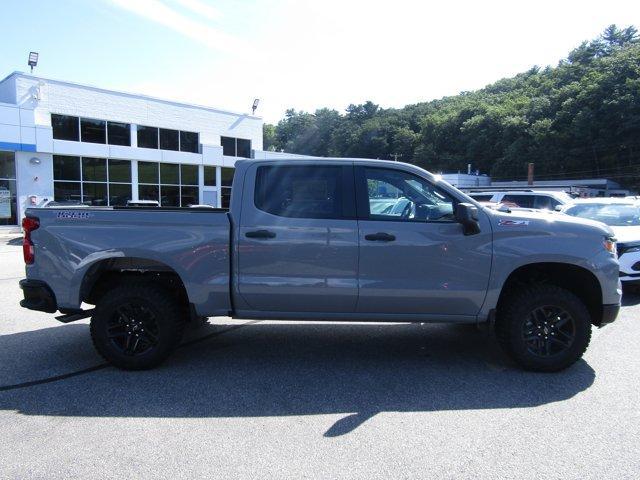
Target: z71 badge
column 69, row 215
column 513, row 223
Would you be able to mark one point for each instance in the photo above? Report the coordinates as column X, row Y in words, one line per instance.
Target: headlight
column 610, row 245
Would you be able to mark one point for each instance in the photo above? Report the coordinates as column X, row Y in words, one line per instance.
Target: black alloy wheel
column 133, row 329
column 543, row 328
column 549, row 331
column 137, row 325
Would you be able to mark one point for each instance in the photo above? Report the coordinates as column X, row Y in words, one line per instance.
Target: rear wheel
column 136, row 325
column 543, row 328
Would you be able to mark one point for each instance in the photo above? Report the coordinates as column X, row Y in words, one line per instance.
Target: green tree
column 580, row 118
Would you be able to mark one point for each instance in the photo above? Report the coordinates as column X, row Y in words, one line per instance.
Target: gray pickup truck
column 329, row 239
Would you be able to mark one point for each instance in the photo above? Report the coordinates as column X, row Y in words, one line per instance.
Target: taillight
column 29, row 224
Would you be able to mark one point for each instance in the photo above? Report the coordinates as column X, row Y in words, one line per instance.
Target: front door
column 414, row 257
column 298, row 239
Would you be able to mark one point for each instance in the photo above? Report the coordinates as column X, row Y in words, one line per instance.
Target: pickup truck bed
column 78, row 245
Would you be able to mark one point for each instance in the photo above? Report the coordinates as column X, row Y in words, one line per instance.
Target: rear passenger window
column 524, row 201
column 301, row 191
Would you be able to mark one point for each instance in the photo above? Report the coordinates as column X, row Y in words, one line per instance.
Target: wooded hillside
column 578, row 119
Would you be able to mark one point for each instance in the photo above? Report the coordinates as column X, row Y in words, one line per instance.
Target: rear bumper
column 609, row 313
column 38, row 296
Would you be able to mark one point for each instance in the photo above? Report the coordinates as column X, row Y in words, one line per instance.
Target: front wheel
column 543, row 328
column 136, row 325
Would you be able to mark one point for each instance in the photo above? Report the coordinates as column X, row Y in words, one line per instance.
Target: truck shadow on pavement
column 14, row 241
column 282, row 369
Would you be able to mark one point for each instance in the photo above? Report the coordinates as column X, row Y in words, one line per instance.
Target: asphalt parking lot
column 311, row 400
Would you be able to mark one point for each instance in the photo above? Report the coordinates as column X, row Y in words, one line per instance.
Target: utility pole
column 530, row 173
column 395, row 156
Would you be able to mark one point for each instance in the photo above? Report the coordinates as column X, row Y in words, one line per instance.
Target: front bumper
column 609, row 313
column 38, row 296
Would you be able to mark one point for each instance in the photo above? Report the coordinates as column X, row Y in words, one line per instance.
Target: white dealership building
column 74, row 143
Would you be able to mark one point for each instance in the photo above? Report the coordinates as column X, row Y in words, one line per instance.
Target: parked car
column 623, row 216
column 302, row 242
column 538, row 199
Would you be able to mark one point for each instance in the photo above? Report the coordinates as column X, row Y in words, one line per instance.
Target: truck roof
column 326, row 159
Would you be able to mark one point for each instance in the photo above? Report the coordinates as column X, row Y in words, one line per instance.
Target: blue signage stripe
column 17, row 147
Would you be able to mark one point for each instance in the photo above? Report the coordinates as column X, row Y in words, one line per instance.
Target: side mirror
column 466, row 214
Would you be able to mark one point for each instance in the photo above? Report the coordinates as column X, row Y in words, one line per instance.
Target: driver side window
column 401, row 196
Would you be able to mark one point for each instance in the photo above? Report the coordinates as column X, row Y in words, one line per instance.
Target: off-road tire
column 512, row 318
column 147, row 297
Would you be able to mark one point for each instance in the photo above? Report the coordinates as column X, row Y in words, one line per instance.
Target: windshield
column 613, row 214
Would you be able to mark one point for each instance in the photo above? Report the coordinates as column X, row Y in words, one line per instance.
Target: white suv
column 623, row 216
column 543, row 200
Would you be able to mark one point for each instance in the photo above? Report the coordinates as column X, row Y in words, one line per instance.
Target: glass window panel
column 8, row 202
column 65, row 127
column 66, row 192
column 243, row 148
column 169, row 139
column 7, row 165
column 170, row 173
column 93, row 131
column 94, row 169
column 225, row 194
column 148, row 192
column 402, row 196
column 66, row 168
column 170, row 196
column 94, row 194
column 228, row 146
column 147, row 137
column 482, row 198
column 148, row 172
column 210, row 176
column 300, row 192
column 524, row 201
column 542, row 202
column 227, row 176
column 189, row 142
column 119, row 193
column 189, row 174
column 120, row 171
column 119, row 133
column 190, row 196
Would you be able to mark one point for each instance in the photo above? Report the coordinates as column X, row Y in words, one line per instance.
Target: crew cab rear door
column 298, row 238
column 414, row 257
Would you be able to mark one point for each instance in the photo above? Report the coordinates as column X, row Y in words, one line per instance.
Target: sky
column 297, row 54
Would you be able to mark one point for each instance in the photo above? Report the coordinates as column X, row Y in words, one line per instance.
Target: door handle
column 380, row 237
column 260, row 234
